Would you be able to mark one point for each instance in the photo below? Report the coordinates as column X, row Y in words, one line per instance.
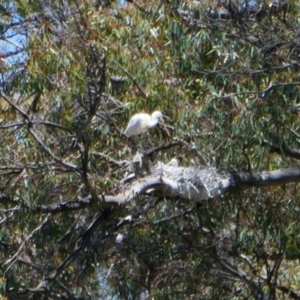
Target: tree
column 86, row 216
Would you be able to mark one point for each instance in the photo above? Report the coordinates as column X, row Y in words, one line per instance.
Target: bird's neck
column 152, row 123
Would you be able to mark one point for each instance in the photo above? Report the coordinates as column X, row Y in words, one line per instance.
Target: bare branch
column 295, row 133
column 8, row 100
column 30, row 264
column 189, row 183
column 288, row 292
column 197, row 184
column 46, row 149
column 134, row 81
column 84, row 241
column 272, row 86
column 251, row 72
column 290, row 152
column 15, row 256
column 121, row 163
column 237, row 272
column 265, row 178
column 17, row 124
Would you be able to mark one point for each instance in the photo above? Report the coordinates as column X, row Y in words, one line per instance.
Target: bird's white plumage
column 141, row 122
column 173, row 162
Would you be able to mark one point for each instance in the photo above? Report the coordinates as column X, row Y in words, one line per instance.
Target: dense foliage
column 72, row 73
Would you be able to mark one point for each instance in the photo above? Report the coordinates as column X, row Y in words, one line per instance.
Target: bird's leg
column 137, row 143
column 145, row 143
column 132, row 145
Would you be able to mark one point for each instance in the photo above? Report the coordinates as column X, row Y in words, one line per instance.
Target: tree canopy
column 78, row 219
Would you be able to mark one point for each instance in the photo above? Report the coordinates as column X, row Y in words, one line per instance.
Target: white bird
column 173, row 162
column 140, row 123
column 119, row 238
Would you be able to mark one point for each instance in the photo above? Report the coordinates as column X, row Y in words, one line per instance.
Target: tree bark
column 197, row 184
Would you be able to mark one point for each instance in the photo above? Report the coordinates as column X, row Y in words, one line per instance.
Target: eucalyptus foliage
column 72, row 74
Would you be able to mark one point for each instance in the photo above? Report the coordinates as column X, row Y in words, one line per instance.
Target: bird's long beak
column 167, row 118
column 161, row 121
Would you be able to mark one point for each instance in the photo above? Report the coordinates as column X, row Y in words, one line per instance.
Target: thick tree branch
column 196, row 184
column 290, row 152
column 266, row 178
column 189, row 183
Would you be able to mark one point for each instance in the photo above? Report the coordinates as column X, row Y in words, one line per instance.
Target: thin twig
column 272, row 86
column 133, row 79
column 121, row 163
column 46, row 149
column 23, row 113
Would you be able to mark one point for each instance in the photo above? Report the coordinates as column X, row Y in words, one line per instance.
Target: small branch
column 18, row 169
column 121, row 163
column 178, row 142
column 50, row 124
column 134, row 80
column 85, row 238
column 15, row 256
column 250, row 72
column 6, row 218
column 46, row 149
column 26, row 116
column 10, row 209
column 175, row 216
column 63, row 287
column 288, row 292
column 275, row 269
column 162, row 147
column 96, row 80
column 30, row 264
column 23, row 113
column 194, row 150
column 272, row 86
column 7, row 126
column 13, row 43
column 295, row 133
column 239, row 273
column 66, row 206
column 71, row 229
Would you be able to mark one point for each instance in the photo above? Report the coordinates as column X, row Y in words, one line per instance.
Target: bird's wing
column 132, row 125
column 136, row 124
